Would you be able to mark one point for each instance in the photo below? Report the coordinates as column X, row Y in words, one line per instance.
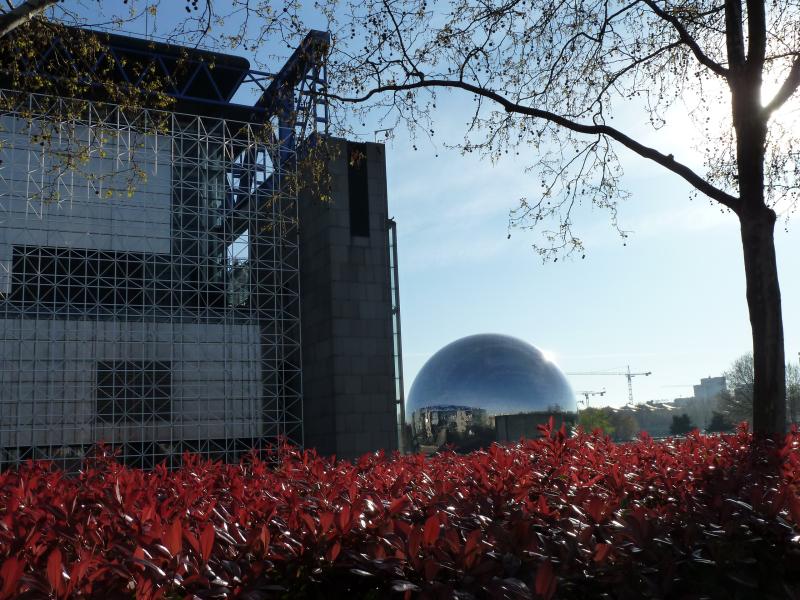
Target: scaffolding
column 149, row 283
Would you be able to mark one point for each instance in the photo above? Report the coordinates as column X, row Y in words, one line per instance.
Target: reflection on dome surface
column 484, row 388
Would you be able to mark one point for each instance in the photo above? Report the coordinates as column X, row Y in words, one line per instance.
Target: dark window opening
column 359, row 193
column 133, row 391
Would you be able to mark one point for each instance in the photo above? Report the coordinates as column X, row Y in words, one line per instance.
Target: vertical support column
column 350, row 390
column 397, row 342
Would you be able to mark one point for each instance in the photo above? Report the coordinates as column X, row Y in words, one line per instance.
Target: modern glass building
column 150, row 268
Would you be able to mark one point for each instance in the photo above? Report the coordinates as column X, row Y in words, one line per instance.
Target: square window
column 133, row 391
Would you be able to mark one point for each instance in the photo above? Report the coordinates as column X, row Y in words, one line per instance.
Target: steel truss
column 208, row 82
column 149, row 291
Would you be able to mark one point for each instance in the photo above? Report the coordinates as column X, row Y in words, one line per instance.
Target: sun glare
column 549, row 356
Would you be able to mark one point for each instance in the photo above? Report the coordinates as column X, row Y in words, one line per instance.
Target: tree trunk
column 764, row 305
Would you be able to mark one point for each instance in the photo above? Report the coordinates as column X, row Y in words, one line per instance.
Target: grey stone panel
column 347, row 343
column 48, row 391
column 78, row 217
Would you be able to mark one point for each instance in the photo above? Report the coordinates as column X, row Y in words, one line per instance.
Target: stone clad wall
column 348, row 373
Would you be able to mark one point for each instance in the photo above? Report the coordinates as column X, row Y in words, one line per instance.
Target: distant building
column 709, row 388
column 655, row 416
column 704, row 402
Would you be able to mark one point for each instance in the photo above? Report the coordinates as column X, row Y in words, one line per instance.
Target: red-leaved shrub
column 555, row 517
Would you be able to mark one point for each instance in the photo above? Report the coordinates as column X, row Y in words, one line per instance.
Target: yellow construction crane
column 627, row 374
column 586, row 395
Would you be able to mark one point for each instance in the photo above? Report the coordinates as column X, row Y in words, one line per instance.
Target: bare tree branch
column 734, row 36
column 667, row 161
column 789, row 87
column 15, row 17
column 687, row 39
column 756, row 34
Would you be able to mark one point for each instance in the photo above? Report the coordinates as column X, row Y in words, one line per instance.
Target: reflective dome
column 486, row 385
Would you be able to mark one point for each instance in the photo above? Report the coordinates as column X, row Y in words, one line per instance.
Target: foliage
column 592, row 419
column 736, row 402
column 681, row 424
column 621, row 425
column 719, row 423
column 548, row 79
column 558, row 516
column 793, row 392
column 45, row 51
column 625, row 425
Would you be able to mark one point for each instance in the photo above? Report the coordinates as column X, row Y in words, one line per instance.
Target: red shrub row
column 565, row 517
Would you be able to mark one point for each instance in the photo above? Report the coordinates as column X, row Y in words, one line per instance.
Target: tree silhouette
column 681, row 425
column 596, row 418
column 719, row 423
column 547, row 78
column 736, row 401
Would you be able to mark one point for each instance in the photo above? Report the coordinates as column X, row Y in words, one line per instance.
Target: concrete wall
column 512, row 428
column 348, row 374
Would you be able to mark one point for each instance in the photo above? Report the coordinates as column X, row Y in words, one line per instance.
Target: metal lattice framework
column 149, row 288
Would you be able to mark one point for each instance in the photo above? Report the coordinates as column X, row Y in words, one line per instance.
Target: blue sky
column 672, row 301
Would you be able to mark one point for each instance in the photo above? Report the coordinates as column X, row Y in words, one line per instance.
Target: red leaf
column 309, row 521
column 11, row 571
column 325, row 521
column 472, row 541
column 546, row 580
column 264, row 537
column 431, row 568
column 601, row 551
column 543, row 507
column 398, row 504
column 597, row 509
column 343, row 518
column 431, row 530
column 54, row 571
column 414, row 541
column 173, row 537
column 334, row 550
column 472, row 548
column 193, row 542
column 148, row 512
column 206, row 542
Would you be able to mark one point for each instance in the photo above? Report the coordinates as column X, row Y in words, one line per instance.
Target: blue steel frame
column 295, row 94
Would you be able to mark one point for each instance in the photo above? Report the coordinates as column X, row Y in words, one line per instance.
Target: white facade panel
column 49, row 380
column 117, row 199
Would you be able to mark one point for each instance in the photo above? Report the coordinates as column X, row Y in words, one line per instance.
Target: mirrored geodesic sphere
column 485, row 388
